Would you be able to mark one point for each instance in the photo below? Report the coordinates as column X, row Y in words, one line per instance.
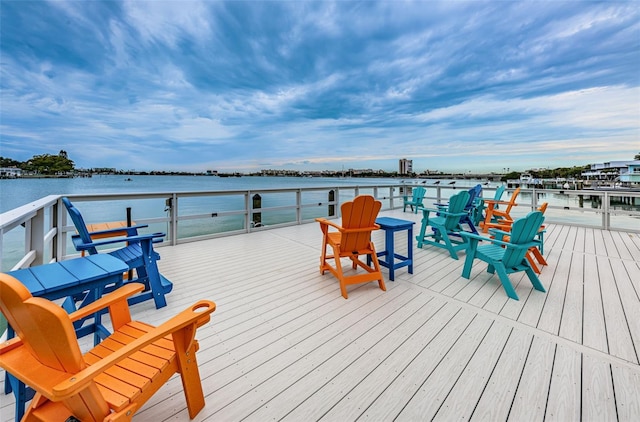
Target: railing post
column 256, row 217
column 332, row 208
column 171, row 205
column 299, row 206
column 34, row 231
column 606, row 217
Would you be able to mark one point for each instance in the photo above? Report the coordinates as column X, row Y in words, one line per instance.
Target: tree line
column 47, row 164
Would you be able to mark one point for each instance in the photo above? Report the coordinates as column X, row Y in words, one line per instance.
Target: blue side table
column 391, row 225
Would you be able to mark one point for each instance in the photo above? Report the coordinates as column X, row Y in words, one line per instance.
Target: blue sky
column 250, row 85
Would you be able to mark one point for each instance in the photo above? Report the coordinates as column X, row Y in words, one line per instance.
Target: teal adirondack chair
column 138, row 254
column 415, row 202
column 507, row 257
column 445, row 225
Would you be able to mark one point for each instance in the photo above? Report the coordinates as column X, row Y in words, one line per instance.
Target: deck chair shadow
column 352, row 240
column 534, row 254
column 114, row 379
column 416, row 199
column 494, row 214
column 138, row 254
column 505, row 257
column 445, row 225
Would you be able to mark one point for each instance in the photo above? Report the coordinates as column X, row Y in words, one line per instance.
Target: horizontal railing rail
column 39, row 232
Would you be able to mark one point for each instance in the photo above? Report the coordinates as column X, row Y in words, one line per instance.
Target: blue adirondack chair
column 138, row 254
column 507, row 257
column 445, row 225
column 415, row 202
column 481, row 206
column 467, row 222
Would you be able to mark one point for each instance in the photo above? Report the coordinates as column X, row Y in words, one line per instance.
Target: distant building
column 405, row 166
column 10, row 173
column 623, row 171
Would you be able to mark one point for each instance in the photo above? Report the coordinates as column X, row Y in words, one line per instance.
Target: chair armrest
column 131, row 230
column 452, row 214
column 324, row 221
column 79, row 245
column 360, row 229
column 493, row 201
column 471, row 235
column 496, row 232
column 499, row 242
column 194, row 316
column 120, row 294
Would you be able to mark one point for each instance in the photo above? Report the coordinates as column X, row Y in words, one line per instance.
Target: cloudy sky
column 250, row 85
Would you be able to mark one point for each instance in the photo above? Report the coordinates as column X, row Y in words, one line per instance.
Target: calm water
column 14, row 193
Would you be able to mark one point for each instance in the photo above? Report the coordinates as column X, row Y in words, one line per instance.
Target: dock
column 283, row 343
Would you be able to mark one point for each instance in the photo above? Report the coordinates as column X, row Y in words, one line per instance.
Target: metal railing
column 39, row 232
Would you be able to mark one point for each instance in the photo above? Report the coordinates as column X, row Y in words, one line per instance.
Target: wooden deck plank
column 473, row 380
column 618, row 333
column 530, row 400
column 571, row 323
column 345, row 368
column 496, row 399
column 627, row 389
column 624, row 276
column 388, row 399
column 551, row 315
column 594, row 332
column 361, row 392
column 431, row 394
column 564, row 402
column 598, row 397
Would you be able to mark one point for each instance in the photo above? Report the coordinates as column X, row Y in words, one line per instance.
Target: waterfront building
column 10, row 173
column 405, row 166
column 624, row 171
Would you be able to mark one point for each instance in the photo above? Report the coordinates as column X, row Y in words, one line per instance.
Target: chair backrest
column 512, row 200
column 48, row 337
column 457, row 204
column 523, row 231
column 358, row 214
column 499, row 192
column 474, row 193
column 418, row 194
column 79, row 223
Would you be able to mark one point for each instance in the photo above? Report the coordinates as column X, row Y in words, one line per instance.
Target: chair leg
column 376, row 267
column 539, row 256
column 423, row 231
column 535, row 280
column 189, row 373
column 506, row 283
column 532, row 263
column 468, row 263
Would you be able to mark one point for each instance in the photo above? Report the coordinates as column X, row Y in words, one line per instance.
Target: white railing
column 39, row 232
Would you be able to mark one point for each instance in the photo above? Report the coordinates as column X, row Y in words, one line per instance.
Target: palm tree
column 637, row 157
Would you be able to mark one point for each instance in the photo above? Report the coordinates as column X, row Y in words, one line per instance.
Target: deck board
column 284, row 345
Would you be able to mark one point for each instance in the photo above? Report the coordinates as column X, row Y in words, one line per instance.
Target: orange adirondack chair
column 534, row 251
column 351, row 240
column 114, row 379
column 494, row 215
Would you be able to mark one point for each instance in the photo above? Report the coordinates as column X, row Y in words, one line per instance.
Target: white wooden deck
column 284, row 345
